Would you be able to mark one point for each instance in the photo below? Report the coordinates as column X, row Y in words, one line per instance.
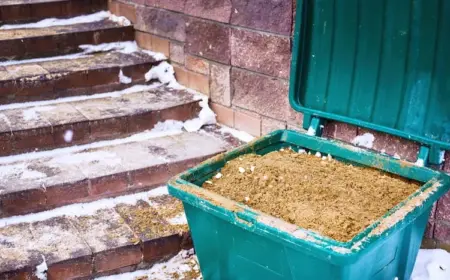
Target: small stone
column 302, row 151
column 209, row 182
column 242, row 169
column 247, row 199
column 318, row 154
column 329, row 157
column 252, row 168
column 219, row 175
column 324, row 158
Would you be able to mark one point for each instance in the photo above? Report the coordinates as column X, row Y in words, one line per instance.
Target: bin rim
column 324, row 247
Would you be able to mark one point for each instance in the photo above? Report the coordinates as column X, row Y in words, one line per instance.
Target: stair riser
column 55, row 45
column 57, row 85
column 37, row 11
column 36, row 200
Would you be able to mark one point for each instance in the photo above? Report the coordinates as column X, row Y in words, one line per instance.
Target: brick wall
column 238, row 53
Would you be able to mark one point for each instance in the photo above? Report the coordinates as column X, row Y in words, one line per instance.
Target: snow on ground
column 84, row 209
column 241, row 135
column 432, row 265
column 124, row 79
column 95, row 17
column 182, row 266
column 365, row 140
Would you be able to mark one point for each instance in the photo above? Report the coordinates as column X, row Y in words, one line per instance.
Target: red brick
column 264, row 95
column 181, row 74
column 177, row 52
column 218, row 10
column 340, row 131
column 269, row 125
column 175, row 5
column 144, row 121
column 220, row 84
column 248, row 123
column 113, row 7
column 208, row 40
column 22, row 202
column 443, row 208
column 442, row 232
column 143, row 39
column 15, row 13
column 197, row 64
column 161, row 22
column 198, row 82
column 128, row 11
column 447, row 162
column 109, row 185
column 429, row 232
column 249, row 47
column 5, row 144
column 181, row 113
column 64, row 194
column 224, row 115
column 273, row 16
column 149, row 177
column 70, row 269
column 117, row 258
column 80, row 132
column 161, row 248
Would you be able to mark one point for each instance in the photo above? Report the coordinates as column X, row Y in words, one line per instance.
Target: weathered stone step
column 80, row 243
column 40, row 181
column 18, row 11
column 16, row 44
column 69, row 77
column 78, row 122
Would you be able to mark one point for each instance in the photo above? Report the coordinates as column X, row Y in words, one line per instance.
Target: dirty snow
column 164, row 72
column 109, row 158
column 241, row 135
column 41, row 270
column 168, row 125
column 124, row 79
column 180, row 219
column 432, row 265
column 84, row 209
column 178, row 265
column 49, row 22
column 365, row 140
column 126, row 47
column 133, row 89
column 205, row 117
column 20, row 170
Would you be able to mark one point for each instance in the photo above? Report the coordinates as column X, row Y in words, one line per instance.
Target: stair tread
column 34, row 117
column 100, row 241
column 97, row 170
column 25, row 33
column 25, row 2
column 64, row 66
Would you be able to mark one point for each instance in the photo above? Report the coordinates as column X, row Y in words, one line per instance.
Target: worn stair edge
column 38, row 184
column 62, row 78
column 113, row 239
column 80, row 122
column 59, row 40
column 22, row 11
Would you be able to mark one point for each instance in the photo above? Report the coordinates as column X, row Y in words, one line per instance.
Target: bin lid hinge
column 316, row 126
column 430, row 155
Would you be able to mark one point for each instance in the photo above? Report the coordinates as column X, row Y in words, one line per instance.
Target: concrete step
column 19, row 11
column 45, row 180
column 57, row 123
column 68, row 77
column 94, row 239
column 16, row 44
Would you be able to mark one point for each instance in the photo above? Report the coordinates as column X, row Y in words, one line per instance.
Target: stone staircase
column 86, row 146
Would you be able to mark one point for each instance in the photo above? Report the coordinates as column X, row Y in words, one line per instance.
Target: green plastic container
column 382, row 65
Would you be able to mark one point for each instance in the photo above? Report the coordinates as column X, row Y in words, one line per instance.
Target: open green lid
column 383, row 65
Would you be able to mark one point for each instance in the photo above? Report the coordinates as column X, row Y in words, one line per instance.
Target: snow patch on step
column 432, row 265
column 41, row 270
column 365, row 140
column 205, row 117
column 133, row 89
column 49, row 22
column 21, row 170
column 32, row 113
column 84, row 209
column 124, row 79
column 164, row 73
column 241, row 135
column 174, row 268
column 43, row 59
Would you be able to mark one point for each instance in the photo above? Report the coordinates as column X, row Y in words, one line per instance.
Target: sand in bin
column 324, row 195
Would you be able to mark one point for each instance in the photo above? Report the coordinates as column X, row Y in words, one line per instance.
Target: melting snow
column 41, row 270
column 124, row 79
column 84, row 209
column 182, row 263
column 205, row 117
column 365, row 140
column 241, row 135
column 168, row 125
column 164, row 72
column 178, row 220
column 99, row 16
column 432, row 265
column 49, row 22
column 32, row 113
